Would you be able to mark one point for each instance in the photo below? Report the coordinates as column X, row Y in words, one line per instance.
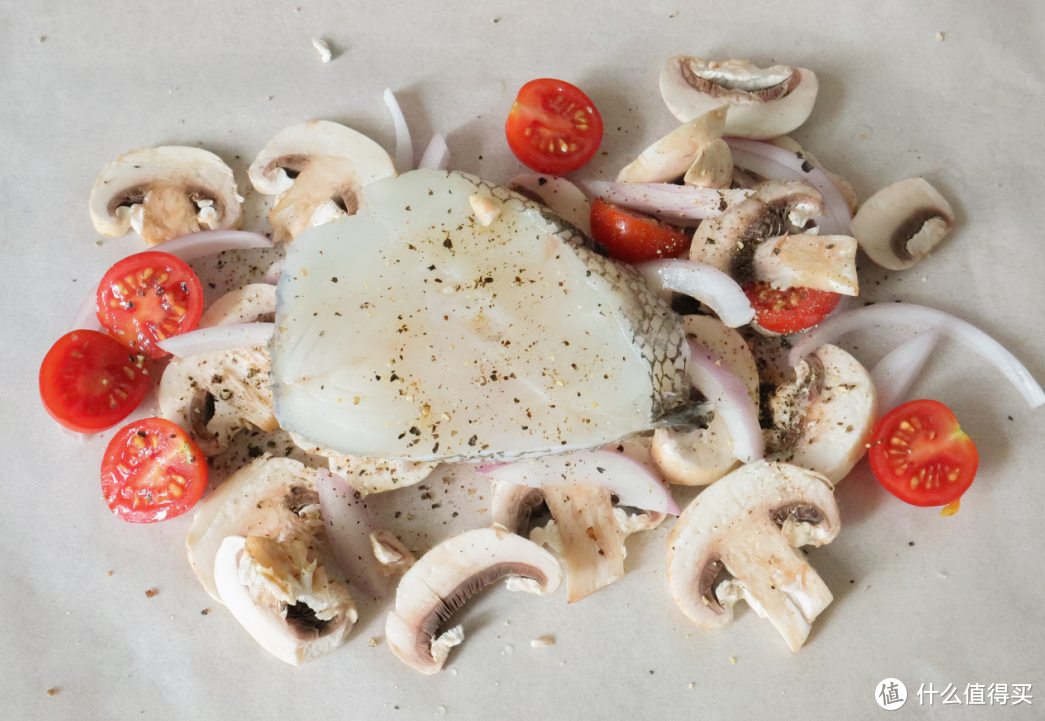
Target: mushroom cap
column 669, row 158
column 291, row 147
column 262, row 499
column 200, row 174
column 900, row 224
column 728, row 242
column 824, row 419
column 699, row 456
column 250, row 303
column 763, row 103
column 257, row 580
column 447, row 576
column 749, row 523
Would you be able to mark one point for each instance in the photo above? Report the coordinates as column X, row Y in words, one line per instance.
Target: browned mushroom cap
column 443, row 580
column 729, row 241
column 763, row 103
column 749, row 524
column 899, row 225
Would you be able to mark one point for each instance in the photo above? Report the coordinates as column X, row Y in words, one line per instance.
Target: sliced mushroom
column 256, row 544
column 729, row 241
column 749, row 524
column 669, row 158
column 899, row 225
column 560, row 195
column 843, row 184
column 253, row 302
column 699, row 456
column 369, row 475
column 316, row 170
column 712, row 168
column 395, row 558
column 808, row 260
column 164, row 193
column 822, row 420
column 443, row 580
column 763, row 103
column 513, row 504
column 284, row 600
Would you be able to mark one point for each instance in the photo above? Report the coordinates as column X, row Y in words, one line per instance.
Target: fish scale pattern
column 655, row 328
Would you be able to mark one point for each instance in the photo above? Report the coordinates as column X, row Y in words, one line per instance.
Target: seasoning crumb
column 204, row 612
column 151, row 592
column 910, row 543
column 52, row 691
column 940, row 37
column 482, row 511
column 543, row 641
column 108, row 573
column 690, row 686
column 372, row 643
column 97, row 243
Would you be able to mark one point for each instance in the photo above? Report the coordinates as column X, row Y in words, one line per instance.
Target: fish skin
column 649, row 324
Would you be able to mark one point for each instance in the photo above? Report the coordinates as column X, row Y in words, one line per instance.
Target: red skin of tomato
column 635, row 237
column 89, row 382
column 789, row 311
column 148, row 297
column 921, row 455
column 553, row 127
column 152, row 471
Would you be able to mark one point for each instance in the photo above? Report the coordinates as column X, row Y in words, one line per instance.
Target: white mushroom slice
column 560, row 196
column 712, row 168
column 822, row 420
column 899, row 225
column 747, row 524
column 808, row 260
column 669, row 158
column 164, row 193
column 272, row 497
column 763, row 103
column 316, row 171
column 282, row 597
column 256, row 301
column 699, row 456
column 213, row 396
column 447, row 576
column 729, row 241
column 369, row 475
column 513, row 503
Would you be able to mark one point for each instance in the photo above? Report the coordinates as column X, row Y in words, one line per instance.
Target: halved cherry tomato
column 921, row 455
column 553, row 127
column 791, row 310
column 152, row 471
column 635, row 237
column 148, row 297
column 89, row 382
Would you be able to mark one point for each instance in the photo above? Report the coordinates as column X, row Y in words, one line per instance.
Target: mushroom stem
column 319, row 182
column 166, row 212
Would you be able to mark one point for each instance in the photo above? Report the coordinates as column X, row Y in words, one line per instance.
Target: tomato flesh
column 152, row 471
column 148, row 297
column 553, row 127
column 921, row 455
column 635, row 237
column 791, row 310
column 89, row 382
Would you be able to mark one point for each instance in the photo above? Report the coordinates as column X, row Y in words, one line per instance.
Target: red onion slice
column 679, row 204
column 894, row 374
column 348, row 525
column 219, row 338
column 918, row 316
column 707, row 284
column 187, row 247
column 730, row 397
column 776, row 163
column 437, row 155
column 404, row 143
column 633, row 483
column 272, row 274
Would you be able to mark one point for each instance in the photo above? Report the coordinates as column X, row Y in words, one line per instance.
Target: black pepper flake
column 453, row 515
column 414, row 430
column 254, row 452
column 911, row 543
column 401, row 435
column 435, row 448
column 807, row 167
column 472, row 441
column 448, row 244
column 393, row 377
column 408, row 207
column 426, row 496
column 334, row 279
column 599, row 469
column 398, row 514
column 431, row 267
column 541, row 181
column 437, row 505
